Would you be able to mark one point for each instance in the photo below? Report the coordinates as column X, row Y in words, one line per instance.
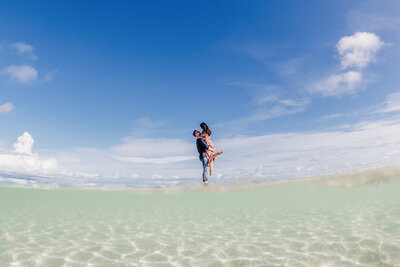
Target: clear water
column 299, row 224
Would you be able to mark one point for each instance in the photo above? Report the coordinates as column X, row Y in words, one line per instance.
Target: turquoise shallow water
column 299, row 224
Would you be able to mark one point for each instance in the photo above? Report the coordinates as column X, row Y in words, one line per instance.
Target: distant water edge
column 351, row 178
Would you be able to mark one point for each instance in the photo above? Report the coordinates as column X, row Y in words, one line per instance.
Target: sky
column 112, row 90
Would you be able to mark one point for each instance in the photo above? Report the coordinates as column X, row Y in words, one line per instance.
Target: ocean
column 341, row 220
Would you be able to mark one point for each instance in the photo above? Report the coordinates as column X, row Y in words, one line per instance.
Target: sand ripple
column 286, row 225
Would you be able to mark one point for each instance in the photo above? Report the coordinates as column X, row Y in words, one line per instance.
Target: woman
column 206, row 133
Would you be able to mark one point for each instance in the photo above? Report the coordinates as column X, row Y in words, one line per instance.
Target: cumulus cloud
column 22, row 160
column 7, row 107
column 24, row 144
column 359, row 49
column 338, row 84
column 357, row 52
column 21, row 74
column 24, row 49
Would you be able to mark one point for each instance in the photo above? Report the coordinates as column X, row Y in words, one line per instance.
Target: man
column 202, row 149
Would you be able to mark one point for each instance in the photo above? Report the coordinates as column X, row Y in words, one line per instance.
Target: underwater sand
column 297, row 224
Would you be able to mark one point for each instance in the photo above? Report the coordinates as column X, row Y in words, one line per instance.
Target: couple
column 206, row 149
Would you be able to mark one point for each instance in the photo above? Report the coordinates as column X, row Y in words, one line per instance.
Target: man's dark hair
column 194, row 133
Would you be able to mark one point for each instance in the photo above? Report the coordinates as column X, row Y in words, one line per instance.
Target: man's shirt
column 201, row 147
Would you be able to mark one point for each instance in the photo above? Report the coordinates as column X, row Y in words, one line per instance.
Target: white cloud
column 267, row 107
column 330, row 117
column 269, row 98
column 152, row 148
column 24, row 49
column 356, row 51
column 391, row 104
column 274, row 111
column 265, row 104
column 22, row 160
column 153, row 151
column 134, row 175
column 272, row 156
column 359, row 49
column 337, row 84
column 7, row 107
column 24, row 144
column 366, row 144
column 22, row 74
column 163, row 160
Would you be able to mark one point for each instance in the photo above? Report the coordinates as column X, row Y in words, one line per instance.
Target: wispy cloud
column 368, row 21
column 277, row 109
column 365, row 144
column 290, row 67
column 273, row 58
column 157, row 150
column 24, row 49
column 21, row 74
column 164, row 160
column 262, row 100
column 330, row 117
column 49, row 76
column 267, row 102
column 7, row 107
column 337, row 84
column 261, row 52
column 391, row 104
column 146, row 126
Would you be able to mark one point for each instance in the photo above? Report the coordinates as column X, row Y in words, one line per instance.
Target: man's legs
column 205, row 168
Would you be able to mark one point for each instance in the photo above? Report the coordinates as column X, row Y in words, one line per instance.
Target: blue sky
column 108, row 77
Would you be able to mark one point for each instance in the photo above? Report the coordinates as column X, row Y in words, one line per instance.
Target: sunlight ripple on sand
column 288, row 224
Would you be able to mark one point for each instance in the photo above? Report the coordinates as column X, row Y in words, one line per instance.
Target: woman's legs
column 211, row 161
column 217, row 154
column 210, row 165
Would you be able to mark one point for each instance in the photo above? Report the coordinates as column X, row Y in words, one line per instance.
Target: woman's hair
column 205, row 128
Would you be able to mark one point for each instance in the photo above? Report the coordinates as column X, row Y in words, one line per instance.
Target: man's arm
column 202, row 143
